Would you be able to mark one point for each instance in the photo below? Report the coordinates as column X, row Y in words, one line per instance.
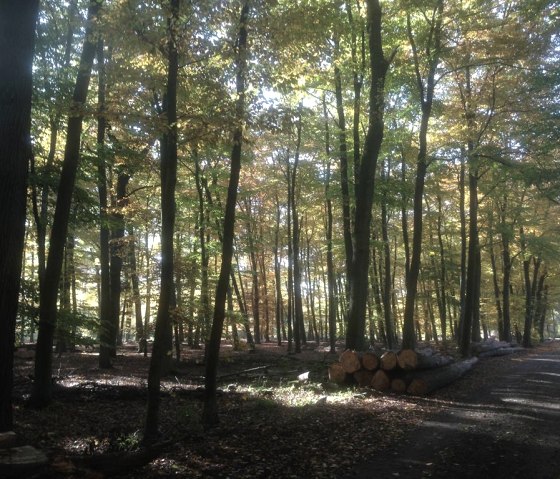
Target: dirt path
column 501, row 422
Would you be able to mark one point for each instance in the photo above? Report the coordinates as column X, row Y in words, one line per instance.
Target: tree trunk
column 387, row 281
column 278, row 278
column 426, row 92
column 355, row 333
column 41, row 394
column 299, row 328
column 210, row 411
column 117, row 251
column 17, row 36
column 506, row 280
column 105, row 324
column 163, row 334
column 139, row 327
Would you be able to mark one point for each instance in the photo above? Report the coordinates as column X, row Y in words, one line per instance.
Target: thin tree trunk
column 210, row 411
column 139, row 328
column 105, row 325
column 331, row 277
column 426, row 92
column 117, row 250
column 299, row 328
column 278, row 278
column 42, row 386
column 163, row 333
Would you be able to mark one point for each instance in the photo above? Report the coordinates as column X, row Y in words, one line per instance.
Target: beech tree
column 379, row 66
column 42, row 385
column 17, row 38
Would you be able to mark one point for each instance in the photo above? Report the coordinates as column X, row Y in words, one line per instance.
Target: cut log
column 370, row 361
column 432, row 379
column 411, row 360
column 380, row 381
column 431, row 362
column 363, row 377
column 482, row 347
column 407, row 359
column 500, row 352
column 399, row 385
column 388, row 361
column 337, row 374
column 350, row 361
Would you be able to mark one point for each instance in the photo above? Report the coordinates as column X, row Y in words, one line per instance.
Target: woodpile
column 405, row 371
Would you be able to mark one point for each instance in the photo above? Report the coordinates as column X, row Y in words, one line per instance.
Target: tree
column 17, row 38
column 426, row 86
column 210, row 411
column 168, row 153
column 41, row 394
column 379, row 66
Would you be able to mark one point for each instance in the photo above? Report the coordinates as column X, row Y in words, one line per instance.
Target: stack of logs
column 413, row 372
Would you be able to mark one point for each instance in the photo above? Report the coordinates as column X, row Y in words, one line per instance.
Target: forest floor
column 502, row 420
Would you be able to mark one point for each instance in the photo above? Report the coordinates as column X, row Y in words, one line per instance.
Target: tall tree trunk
column 17, row 36
column 299, row 328
column 442, row 273
column 202, row 190
column 426, row 89
column 387, row 277
column 355, row 333
column 42, row 386
column 105, row 324
column 40, row 210
column 254, row 273
column 278, row 278
column 163, row 334
column 463, row 266
column 138, row 326
column 117, row 250
column 210, row 411
column 331, row 277
column 344, row 178
column 506, row 280
column 265, row 293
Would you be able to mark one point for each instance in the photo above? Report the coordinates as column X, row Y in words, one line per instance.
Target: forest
column 187, row 175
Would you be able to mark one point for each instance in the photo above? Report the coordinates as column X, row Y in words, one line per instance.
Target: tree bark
column 379, row 65
column 210, row 411
column 105, row 324
column 41, row 394
column 17, row 38
column 163, row 333
column 426, row 92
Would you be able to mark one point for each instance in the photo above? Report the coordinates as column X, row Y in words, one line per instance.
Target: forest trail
column 500, row 426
